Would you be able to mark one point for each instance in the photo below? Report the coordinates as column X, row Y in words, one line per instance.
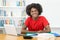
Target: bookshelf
column 12, row 12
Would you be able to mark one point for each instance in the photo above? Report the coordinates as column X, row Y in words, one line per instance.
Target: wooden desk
column 10, row 37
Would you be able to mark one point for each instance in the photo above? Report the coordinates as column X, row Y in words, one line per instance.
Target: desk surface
column 10, row 37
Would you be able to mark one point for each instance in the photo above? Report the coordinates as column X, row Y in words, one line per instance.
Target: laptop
column 12, row 30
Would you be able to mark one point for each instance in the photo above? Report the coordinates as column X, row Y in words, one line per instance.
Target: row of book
column 12, row 2
column 12, row 21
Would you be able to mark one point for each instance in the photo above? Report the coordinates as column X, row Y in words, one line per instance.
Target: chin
column 35, row 16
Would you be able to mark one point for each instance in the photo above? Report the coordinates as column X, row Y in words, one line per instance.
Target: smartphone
column 27, row 37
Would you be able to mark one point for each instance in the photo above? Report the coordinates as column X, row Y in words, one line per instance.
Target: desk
column 10, row 37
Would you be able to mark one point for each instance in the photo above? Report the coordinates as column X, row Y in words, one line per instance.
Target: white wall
column 51, row 10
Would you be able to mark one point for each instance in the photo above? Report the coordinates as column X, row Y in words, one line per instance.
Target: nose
column 34, row 12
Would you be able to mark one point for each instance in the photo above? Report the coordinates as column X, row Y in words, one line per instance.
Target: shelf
column 12, row 17
column 14, row 10
column 14, row 6
column 15, row 27
column 1, row 27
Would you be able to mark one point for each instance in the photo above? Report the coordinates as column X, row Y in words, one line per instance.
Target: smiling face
column 34, row 12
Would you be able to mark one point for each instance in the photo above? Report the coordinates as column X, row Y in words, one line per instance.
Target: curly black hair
column 34, row 5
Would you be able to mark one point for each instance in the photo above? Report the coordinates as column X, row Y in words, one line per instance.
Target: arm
column 25, row 31
column 46, row 30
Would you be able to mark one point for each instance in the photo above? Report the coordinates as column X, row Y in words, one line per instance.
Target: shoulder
column 42, row 17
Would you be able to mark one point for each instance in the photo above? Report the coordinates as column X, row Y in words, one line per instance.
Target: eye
column 32, row 11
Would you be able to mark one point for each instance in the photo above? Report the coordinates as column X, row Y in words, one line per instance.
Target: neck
column 35, row 18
